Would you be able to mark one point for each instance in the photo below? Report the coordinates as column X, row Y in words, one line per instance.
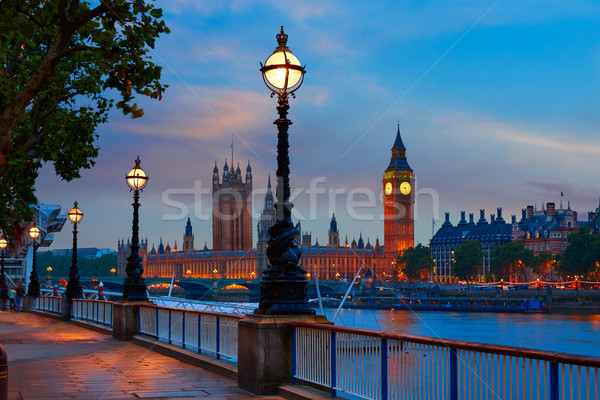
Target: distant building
column 449, row 237
column 547, row 230
column 18, row 260
column 398, row 201
column 232, row 209
column 268, row 218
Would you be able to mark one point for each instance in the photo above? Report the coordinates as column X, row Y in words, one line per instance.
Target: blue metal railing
column 381, row 366
column 210, row 332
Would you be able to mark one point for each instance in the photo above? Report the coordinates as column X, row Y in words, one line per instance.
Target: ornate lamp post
column 283, row 285
column 3, row 244
column 34, row 282
column 134, row 287
column 113, row 271
column 74, row 289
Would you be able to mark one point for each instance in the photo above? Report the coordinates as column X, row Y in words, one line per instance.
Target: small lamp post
column 34, row 282
column 134, row 287
column 283, row 285
column 74, row 289
column 3, row 244
column 49, row 277
column 252, row 275
column 113, row 270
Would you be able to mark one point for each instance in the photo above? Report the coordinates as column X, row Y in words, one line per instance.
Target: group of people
column 12, row 298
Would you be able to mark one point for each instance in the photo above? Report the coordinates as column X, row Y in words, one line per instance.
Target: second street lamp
column 283, row 285
column 34, row 282
column 134, row 287
column 74, row 289
column 3, row 244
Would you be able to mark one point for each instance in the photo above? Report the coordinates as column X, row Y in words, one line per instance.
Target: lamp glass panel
column 137, row 178
column 34, row 232
column 75, row 214
column 276, row 76
column 3, row 243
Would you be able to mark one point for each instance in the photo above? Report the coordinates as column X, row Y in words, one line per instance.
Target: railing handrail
column 94, row 300
column 565, row 358
column 233, row 316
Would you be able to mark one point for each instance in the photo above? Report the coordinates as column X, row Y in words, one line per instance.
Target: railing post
column 554, row 388
column 384, row 369
column 453, row 374
column 183, row 330
column 218, row 339
column 139, row 319
column 294, row 380
column 157, row 332
column 199, row 333
column 333, row 365
column 169, row 327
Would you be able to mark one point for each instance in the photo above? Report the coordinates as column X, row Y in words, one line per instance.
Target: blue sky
column 497, row 104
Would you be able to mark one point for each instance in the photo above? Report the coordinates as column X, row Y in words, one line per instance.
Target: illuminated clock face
column 405, row 188
column 388, row 188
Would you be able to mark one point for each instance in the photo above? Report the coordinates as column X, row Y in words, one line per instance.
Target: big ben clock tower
column 398, row 202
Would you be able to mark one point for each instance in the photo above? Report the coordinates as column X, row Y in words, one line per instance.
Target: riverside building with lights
column 543, row 230
column 496, row 232
column 234, row 257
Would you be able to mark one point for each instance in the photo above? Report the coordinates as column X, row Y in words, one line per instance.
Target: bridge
column 195, row 288
column 334, row 361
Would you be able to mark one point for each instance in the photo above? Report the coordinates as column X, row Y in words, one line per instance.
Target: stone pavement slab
column 51, row 359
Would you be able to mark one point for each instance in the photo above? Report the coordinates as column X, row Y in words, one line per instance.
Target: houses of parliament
column 233, row 255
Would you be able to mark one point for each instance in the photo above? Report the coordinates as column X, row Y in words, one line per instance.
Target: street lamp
column 74, row 289
column 134, row 287
column 3, row 244
column 283, row 285
column 252, row 275
column 113, row 270
column 34, row 282
column 215, row 272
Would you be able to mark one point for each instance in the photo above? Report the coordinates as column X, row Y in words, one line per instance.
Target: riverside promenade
column 53, row 359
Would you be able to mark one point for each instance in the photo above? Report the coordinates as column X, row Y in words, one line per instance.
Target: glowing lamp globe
column 75, row 214
column 282, row 71
column 34, row 232
column 137, row 178
column 3, row 243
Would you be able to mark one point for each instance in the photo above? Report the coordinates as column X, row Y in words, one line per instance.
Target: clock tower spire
column 398, row 201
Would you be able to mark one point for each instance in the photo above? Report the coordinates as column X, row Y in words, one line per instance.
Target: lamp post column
column 74, row 289
column 283, row 285
column 34, row 282
column 134, row 287
column 2, row 277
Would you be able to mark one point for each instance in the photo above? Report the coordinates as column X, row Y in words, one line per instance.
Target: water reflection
column 578, row 334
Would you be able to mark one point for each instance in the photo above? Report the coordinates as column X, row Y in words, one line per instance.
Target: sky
column 497, row 103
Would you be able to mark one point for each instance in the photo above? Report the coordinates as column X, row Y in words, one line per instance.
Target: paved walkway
column 50, row 359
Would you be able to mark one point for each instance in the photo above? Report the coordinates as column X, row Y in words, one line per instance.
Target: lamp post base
column 283, row 296
column 134, row 290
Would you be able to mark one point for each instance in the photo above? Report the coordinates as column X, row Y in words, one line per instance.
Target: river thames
column 577, row 334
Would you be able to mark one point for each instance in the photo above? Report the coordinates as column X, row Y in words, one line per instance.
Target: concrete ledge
column 301, row 392
column 224, row 368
